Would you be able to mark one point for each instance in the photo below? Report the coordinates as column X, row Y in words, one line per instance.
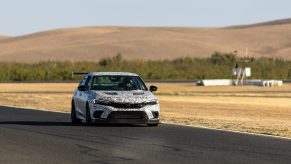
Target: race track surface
column 30, row 136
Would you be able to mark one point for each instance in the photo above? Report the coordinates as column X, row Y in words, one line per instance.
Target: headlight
column 153, row 102
column 101, row 101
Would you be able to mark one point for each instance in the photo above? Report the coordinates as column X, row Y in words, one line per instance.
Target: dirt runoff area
column 247, row 109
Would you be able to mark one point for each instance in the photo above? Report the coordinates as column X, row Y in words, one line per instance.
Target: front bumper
column 108, row 114
column 126, row 121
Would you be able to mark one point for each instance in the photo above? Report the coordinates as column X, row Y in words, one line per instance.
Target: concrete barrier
column 218, row 82
column 228, row 82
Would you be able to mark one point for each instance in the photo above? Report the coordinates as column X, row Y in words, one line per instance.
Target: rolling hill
column 270, row 39
column 269, row 23
column 2, row 37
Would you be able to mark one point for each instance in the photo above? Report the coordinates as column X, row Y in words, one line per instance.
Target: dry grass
column 261, row 115
column 93, row 43
column 251, row 109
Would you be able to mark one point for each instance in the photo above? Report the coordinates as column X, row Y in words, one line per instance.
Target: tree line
column 218, row 66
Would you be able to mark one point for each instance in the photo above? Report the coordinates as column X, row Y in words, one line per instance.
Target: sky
column 20, row 17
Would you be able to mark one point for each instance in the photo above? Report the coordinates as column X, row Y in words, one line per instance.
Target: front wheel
column 88, row 115
column 74, row 118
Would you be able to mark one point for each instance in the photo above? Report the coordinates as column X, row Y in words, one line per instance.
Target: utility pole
column 247, row 51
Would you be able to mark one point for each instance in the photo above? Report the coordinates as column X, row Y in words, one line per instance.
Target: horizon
column 137, row 26
column 31, row 16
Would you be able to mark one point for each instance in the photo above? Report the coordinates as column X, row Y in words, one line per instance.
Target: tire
column 88, row 115
column 152, row 125
column 74, row 118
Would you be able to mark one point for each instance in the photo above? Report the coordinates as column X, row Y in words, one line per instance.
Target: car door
column 81, row 97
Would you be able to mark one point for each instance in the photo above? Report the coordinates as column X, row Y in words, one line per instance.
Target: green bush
column 218, row 66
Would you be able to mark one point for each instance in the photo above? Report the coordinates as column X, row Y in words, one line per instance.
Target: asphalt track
column 30, row 136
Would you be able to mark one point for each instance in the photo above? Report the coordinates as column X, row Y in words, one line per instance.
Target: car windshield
column 117, row 83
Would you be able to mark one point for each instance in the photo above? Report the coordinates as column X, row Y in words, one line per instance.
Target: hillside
column 268, row 23
column 2, row 37
column 93, row 43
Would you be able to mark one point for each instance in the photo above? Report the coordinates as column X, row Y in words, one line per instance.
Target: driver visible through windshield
column 117, row 83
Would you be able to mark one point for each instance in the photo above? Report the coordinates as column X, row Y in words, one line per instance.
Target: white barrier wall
column 220, row 82
column 228, row 82
column 265, row 83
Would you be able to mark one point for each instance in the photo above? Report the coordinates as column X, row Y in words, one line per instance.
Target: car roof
column 113, row 73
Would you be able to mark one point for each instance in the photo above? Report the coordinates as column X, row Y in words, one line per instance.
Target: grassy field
column 248, row 109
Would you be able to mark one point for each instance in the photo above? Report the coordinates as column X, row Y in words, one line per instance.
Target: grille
column 127, row 115
column 129, row 106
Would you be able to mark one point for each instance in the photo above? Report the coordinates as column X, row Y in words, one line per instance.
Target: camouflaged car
column 114, row 97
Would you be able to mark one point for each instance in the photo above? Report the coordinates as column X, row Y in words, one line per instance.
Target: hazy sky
column 27, row 16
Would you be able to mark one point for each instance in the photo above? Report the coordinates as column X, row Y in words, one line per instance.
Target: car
column 114, row 97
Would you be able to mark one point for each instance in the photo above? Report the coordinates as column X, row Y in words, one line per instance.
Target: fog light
column 155, row 114
column 97, row 114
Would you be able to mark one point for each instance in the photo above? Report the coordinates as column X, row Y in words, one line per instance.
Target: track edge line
column 167, row 123
column 232, row 131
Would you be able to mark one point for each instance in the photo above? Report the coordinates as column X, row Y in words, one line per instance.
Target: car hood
column 125, row 96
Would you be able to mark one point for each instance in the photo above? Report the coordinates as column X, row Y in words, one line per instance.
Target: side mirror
column 153, row 88
column 82, row 88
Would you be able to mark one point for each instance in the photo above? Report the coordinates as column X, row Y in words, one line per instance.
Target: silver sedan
column 114, row 97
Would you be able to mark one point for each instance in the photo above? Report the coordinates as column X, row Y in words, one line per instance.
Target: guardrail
column 147, row 81
column 77, row 81
column 286, row 81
